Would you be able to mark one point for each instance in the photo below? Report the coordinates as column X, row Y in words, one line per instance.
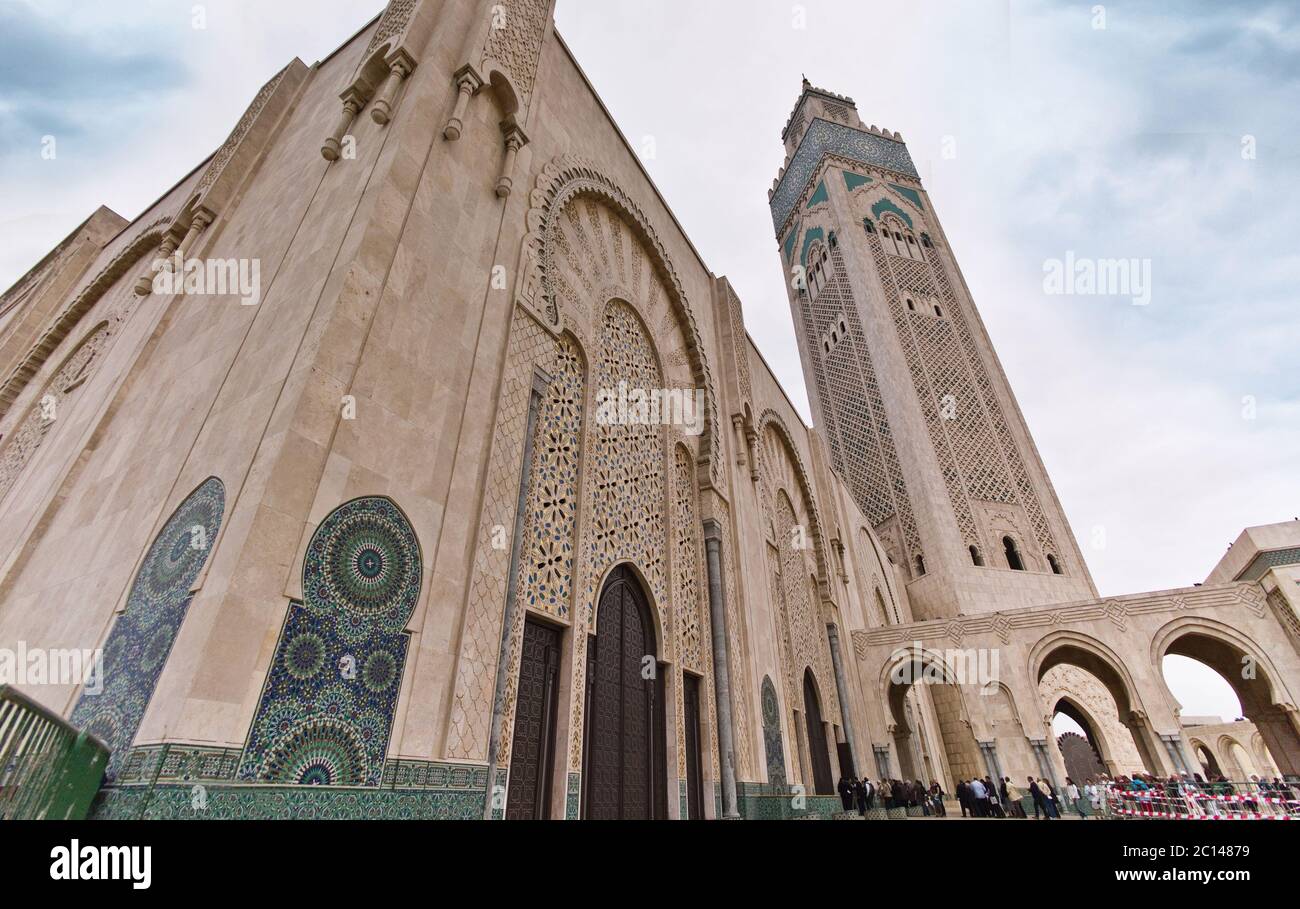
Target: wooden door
column 623, row 762
column 532, row 755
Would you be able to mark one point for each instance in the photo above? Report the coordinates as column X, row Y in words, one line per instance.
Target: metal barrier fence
column 1224, row 801
column 48, row 770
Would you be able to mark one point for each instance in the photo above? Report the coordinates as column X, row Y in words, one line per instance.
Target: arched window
column 1056, row 565
column 920, row 565
column 925, row 241
column 975, row 557
column 911, row 305
column 1014, row 561
column 868, row 226
column 937, row 311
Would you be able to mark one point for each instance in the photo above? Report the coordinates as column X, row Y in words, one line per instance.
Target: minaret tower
column 905, row 386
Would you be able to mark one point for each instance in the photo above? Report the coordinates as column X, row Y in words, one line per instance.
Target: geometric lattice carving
column 686, row 568
column 515, row 41
column 969, row 433
column 396, row 17
column 808, row 645
column 546, row 569
column 530, row 346
column 625, row 489
column 626, row 482
column 852, row 414
column 589, row 242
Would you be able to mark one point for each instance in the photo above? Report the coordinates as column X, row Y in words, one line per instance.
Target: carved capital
column 400, row 65
column 515, row 140
column 468, row 82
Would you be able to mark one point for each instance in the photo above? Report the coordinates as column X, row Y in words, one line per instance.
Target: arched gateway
column 626, row 749
column 823, row 784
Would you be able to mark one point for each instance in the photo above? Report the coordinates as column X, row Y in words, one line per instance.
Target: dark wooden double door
column 625, row 772
column 624, row 755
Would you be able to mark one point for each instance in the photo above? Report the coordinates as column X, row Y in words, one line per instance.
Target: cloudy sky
column 1041, row 129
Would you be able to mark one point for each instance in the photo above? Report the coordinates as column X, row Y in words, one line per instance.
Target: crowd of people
column 1193, row 795
column 864, row 794
column 978, row 797
column 1183, row 795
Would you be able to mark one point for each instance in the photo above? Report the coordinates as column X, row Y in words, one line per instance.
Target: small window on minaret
column 938, row 312
column 1056, row 565
column 1014, row 562
column 834, row 241
column 911, row 305
column 920, row 565
column 975, row 557
column 925, row 241
column 868, row 226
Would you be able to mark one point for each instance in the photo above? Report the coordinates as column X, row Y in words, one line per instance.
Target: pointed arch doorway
column 820, row 757
column 625, row 745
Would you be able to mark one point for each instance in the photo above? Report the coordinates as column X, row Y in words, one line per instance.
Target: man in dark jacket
column 846, row 793
column 860, row 796
column 963, row 796
column 1040, row 800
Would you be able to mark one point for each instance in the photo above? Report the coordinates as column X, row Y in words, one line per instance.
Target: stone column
column 751, row 442
column 515, row 140
column 352, row 104
column 882, row 761
column 399, row 68
column 1174, row 745
column 990, row 752
column 1045, row 769
column 842, row 690
column 202, row 218
column 144, row 284
column 721, row 667
column 468, row 82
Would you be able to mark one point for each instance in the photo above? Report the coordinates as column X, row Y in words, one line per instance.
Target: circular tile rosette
column 319, row 752
column 363, row 566
column 182, row 546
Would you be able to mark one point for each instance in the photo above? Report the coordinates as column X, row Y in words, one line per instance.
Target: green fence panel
column 48, row 770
